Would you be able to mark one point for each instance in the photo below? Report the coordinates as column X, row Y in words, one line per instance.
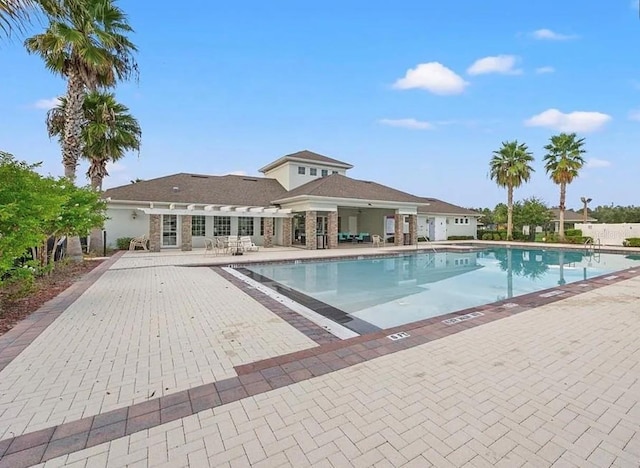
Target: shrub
column 496, row 236
column 573, row 232
column 460, row 238
column 123, row 243
column 631, row 242
column 487, row 236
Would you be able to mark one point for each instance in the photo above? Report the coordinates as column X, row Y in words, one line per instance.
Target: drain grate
column 398, row 336
column 510, row 305
column 462, row 318
column 552, row 293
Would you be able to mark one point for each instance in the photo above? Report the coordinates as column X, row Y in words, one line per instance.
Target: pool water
column 387, row 292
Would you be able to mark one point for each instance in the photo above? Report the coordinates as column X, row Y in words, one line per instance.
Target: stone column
column 267, row 236
column 286, row 231
column 155, row 236
column 332, row 226
column 398, row 235
column 186, row 233
column 310, row 229
column 413, row 229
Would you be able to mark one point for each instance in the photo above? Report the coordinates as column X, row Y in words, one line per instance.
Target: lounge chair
column 140, row 241
column 248, row 245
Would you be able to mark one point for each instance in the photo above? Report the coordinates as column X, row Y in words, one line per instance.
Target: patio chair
column 378, row 241
column 140, row 241
column 248, row 245
column 210, row 245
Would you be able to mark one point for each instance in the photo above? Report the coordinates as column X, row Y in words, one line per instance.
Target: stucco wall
column 287, row 173
column 470, row 229
column 122, row 224
column 610, row 234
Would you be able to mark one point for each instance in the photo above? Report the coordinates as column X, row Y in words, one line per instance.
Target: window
column 197, row 226
column 466, row 220
column 301, row 170
column 325, row 172
column 273, row 227
column 334, row 172
column 245, row 226
column 221, row 226
column 313, row 171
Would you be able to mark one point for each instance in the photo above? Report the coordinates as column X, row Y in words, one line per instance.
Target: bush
column 573, row 232
column 631, row 242
column 496, row 236
column 487, row 236
column 460, row 238
column 123, row 243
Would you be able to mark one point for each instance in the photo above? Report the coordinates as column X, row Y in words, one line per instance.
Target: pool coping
column 268, row 374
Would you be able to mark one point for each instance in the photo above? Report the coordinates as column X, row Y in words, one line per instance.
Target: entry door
column 353, row 224
column 169, row 230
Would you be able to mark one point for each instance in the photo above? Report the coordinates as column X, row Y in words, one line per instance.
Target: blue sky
column 416, row 94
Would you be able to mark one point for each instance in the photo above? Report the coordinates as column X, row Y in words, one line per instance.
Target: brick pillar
column 286, row 231
column 267, row 237
column 413, row 229
column 310, row 229
column 155, row 236
column 399, row 230
column 187, row 245
column 332, row 226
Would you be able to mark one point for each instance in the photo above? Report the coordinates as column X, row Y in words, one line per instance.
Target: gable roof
column 340, row 186
column 196, row 188
column 570, row 216
column 308, row 157
column 436, row 206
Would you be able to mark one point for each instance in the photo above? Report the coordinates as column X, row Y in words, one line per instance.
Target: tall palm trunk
column 97, row 171
column 72, row 145
column 510, row 212
column 563, row 196
column 72, row 139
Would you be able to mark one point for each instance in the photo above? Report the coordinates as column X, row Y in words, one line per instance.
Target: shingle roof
column 570, row 216
column 436, row 206
column 308, row 156
column 339, row 186
column 195, row 188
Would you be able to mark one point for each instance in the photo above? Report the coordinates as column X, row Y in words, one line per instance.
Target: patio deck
column 158, row 365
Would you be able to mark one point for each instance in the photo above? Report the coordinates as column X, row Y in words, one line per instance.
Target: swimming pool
column 373, row 293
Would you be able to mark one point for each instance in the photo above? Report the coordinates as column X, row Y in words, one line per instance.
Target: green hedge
column 631, row 242
column 577, row 239
column 123, row 243
column 500, row 235
column 573, row 232
column 460, row 238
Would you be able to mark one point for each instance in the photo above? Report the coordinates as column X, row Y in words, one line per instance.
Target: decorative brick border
column 28, row 329
column 263, row 376
column 300, row 323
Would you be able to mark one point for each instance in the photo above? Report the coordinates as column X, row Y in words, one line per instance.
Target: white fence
column 610, row 234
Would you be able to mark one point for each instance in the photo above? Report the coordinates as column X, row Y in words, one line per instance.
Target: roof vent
column 176, row 189
column 250, row 180
column 196, row 176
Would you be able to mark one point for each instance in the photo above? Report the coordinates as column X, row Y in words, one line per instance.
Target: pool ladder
column 591, row 247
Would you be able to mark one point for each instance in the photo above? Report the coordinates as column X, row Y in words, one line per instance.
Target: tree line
column 510, row 167
column 87, row 43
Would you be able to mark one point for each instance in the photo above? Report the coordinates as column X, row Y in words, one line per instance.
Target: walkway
column 557, row 385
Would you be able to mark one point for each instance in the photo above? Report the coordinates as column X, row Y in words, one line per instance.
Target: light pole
column 585, row 213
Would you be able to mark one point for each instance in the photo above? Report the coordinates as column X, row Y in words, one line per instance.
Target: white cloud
column 549, row 35
column 595, row 163
column 578, row 121
column 503, row 64
column 407, row 123
column 116, row 167
column 634, row 115
column 433, row 77
column 240, row 173
column 46, row 104
column 543, row 70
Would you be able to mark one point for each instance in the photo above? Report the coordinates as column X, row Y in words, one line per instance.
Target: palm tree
column 14, row 14
column 510, row 167
column 86, row 43
column 108, row 132
column 563, row 162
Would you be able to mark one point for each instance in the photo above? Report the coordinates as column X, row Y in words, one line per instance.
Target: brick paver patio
column 553, row 385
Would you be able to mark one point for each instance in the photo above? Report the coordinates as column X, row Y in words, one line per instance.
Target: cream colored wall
column 610, row 234
column 470, row 229
column 121, row 224
column 370, row 220
column 287, row 173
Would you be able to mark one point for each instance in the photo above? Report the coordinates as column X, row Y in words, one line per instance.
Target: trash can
column 321, row 241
